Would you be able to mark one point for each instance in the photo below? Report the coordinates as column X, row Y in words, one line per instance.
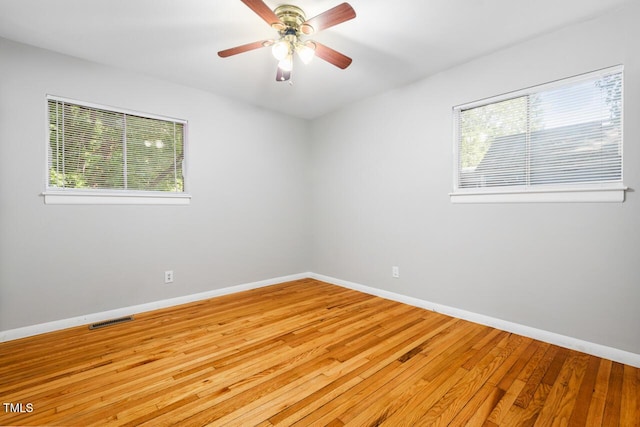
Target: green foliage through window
column 556, row 134
column 97, row 149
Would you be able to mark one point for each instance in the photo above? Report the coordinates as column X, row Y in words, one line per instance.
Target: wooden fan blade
column 264, row 12
column 332, row 56
column 244, row 48
column 331, row 17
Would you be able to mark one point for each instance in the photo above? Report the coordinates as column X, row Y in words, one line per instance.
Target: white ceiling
column 392, row 43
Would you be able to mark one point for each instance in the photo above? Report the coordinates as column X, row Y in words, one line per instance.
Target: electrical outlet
column 168, row 276
column 395, row 272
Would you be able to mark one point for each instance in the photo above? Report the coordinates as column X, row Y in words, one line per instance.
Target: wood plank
column 454, row 400
column 613, row 402
column 431, row 388
column 378, row 361
column 583, row 399
column 527, row 417
column 599, row 396
column 307, row 353
column 327, row 396
column 481, row 404
column 630, row 405
column 526, row 366
column 535, row 378
column 561, row 414
column 507, row 380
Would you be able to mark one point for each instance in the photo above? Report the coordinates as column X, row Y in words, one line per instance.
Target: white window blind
column 101, row 151
column 560, row 137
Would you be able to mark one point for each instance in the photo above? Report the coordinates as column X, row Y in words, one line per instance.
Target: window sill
column 115, row 198
column 605, row 194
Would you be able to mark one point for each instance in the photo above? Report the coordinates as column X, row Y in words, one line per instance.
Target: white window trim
column 569, row 193
column 578, row 194
column 70, row 196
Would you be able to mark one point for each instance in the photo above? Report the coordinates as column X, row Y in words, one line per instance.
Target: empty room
column 318, row 213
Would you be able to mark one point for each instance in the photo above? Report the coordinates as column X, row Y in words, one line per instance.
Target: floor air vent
column 111, row 322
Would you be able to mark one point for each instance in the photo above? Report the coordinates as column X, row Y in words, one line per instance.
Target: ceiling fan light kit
column 291, row 23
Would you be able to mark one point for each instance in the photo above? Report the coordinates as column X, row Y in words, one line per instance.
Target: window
column 101, row 155
column 561, row 141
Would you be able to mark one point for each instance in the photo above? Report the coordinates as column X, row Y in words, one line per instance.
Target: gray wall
column 248, row 219
column 382, row 171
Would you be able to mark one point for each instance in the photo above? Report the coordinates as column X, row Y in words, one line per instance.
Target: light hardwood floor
column 308, row 353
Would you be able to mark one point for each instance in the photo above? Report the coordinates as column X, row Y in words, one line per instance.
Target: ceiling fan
column 292, row 25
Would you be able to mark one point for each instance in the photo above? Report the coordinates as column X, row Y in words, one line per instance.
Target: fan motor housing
column 291, row 16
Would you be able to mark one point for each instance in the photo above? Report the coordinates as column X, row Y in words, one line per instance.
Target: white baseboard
column 599, row 350
column 594, row 349
column 27, row 331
